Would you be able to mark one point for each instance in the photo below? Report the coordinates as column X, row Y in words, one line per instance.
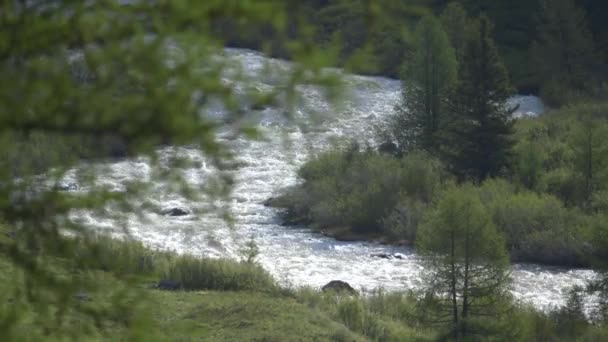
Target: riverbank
column 354, row 194
column 124, row 300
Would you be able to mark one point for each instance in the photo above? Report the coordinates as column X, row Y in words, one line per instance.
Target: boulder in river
column 388, row 256
column 339, row 286
column 66, row 186
column 174, row 212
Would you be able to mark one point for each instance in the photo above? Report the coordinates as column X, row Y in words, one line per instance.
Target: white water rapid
column 296, row 256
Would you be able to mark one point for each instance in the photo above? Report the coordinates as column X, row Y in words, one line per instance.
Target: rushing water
column 296, row 256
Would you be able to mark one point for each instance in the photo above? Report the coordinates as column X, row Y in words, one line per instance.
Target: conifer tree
column 427, row 77
column 563, row 52
column 478, row 138
column 454, row 21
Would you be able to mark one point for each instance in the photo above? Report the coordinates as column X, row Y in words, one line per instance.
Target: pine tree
column 454, row 22
column 477, row 140
column 426, row 79
column 467, row 262
column 563, row 52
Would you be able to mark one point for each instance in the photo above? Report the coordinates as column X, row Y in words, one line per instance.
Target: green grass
column 194, row 273
column 243, row 316
column 240, row 302
column 122, row 304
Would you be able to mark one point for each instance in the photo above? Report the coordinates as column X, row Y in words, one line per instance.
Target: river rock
column 66, row 186
column 169, row 285
column 174, row 212
column 339, row 286
column 381, row 256
column 388, row 256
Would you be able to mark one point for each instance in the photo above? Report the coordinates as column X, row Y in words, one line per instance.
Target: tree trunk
column 453, row 285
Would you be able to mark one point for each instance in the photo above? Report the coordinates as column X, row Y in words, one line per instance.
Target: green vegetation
column 564, row 52
column 467, row 260
column 520, row 26
column 91, row 80
column 545, row 176
column 476, row 142
column 550, row 205
column 248, row 312
column 356, row 189
column 430, row 73
column 540, row 207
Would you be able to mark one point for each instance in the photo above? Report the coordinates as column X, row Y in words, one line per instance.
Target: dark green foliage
column 571, row 320
column 564, row 153
column 379, row 42
column 428, row 76
column 564, row 52
column 538, row 228
column 514, row 22
column 454, row 21
column 374, row 32
column 357, row 190
column 477, row 140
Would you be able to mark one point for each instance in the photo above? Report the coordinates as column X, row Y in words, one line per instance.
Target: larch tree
column 427, row 77
column 141, row 73
column 467, row 262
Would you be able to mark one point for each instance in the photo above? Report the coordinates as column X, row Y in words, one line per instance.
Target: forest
column 187, row 170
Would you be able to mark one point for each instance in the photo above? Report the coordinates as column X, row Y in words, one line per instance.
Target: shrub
column 351, row 313
column 194, row 273
column 121, row 257
column 358, row 189
column 402, row 222
column 537, row 228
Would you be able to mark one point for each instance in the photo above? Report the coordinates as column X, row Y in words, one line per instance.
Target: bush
column 537, row 228
column 194, row 273
column 563, row 152
column 127, row 257
column 351, row 313
column 121, row 257
column 358, row 189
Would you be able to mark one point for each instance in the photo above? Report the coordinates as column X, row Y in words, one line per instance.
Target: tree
column 589, row 147
column 142, row 73
column 454, row 22
column 477, row 140
column 426, row 79
column 563, row 52
column 467, row 262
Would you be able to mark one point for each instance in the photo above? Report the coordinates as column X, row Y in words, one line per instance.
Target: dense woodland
column 454, row 174
column 519, row 26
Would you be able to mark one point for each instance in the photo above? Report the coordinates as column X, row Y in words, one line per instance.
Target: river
column 296, row 256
